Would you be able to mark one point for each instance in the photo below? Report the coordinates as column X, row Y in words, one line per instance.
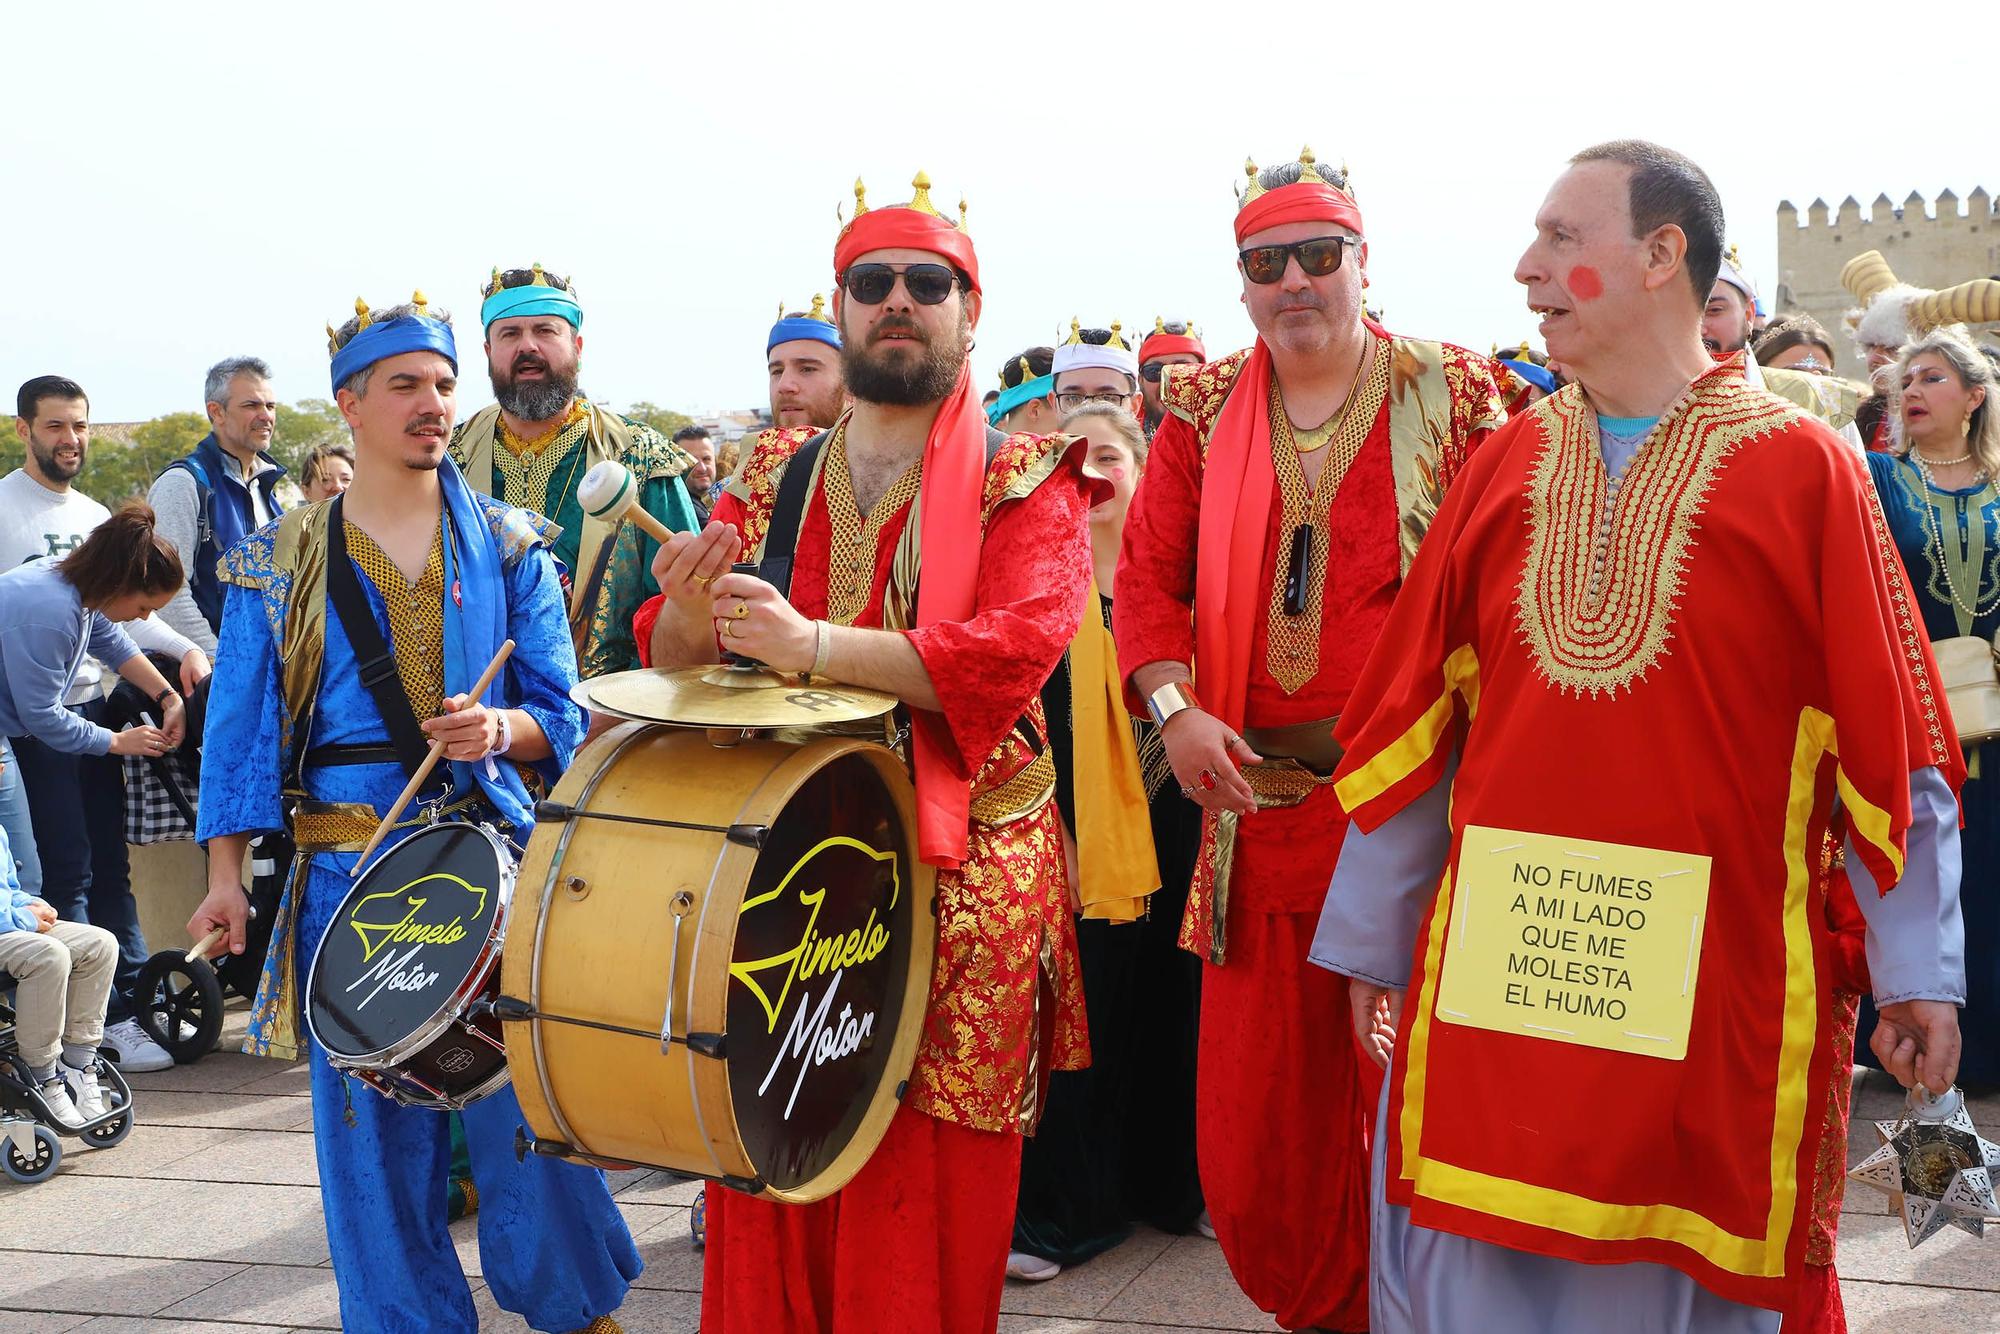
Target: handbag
column 1971, row 686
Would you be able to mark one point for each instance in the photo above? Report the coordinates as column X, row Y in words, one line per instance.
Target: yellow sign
column 1574, row 941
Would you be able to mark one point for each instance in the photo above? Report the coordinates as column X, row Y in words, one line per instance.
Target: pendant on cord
column 1298, row 569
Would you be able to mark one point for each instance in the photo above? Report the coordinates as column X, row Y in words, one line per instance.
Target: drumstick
column 608, row 492
column 207, row 943
column 409, row 791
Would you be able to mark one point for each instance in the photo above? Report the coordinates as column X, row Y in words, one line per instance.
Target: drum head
column 405, row 940
column 819, row 971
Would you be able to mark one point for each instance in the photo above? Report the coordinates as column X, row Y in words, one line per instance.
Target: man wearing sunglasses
column 1172, row 343
column 911, row 482
column 1287, row 490
column 1096, row 366
column 533, row 447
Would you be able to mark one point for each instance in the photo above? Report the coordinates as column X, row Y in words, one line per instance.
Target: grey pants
column 63, row 978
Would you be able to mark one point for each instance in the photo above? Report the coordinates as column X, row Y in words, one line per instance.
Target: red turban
column 1166, row 344
column 1301, row 201
column 904, row 228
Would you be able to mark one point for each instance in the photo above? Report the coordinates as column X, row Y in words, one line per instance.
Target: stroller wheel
column 38, row 1165
column 111, row 1133
column 180, row 1005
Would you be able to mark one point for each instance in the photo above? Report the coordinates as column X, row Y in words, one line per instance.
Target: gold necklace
column 530, row 447
column 1312, row 441
column 855, row 541
column 1292, row 619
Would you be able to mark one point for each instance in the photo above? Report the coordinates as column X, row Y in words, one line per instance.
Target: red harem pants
column 916, row 1243
column 1283, row 1102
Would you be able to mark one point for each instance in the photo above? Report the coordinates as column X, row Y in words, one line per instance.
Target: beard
column 534, row 400
column 893, row 380
column 54, row 470
column 820, row 412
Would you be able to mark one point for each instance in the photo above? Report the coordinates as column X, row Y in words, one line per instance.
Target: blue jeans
column 14, row 819
column 77, row 806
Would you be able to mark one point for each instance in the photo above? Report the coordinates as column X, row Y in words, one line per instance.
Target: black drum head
column 817, row 977
column 405, row 940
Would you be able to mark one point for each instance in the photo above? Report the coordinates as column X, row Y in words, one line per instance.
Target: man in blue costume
column 447, row 574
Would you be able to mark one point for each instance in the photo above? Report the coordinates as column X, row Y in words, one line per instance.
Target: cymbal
column 727, row 697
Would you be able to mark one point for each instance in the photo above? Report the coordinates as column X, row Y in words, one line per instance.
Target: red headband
column 901, row 228
column 1301, row 201
column 1166, row 344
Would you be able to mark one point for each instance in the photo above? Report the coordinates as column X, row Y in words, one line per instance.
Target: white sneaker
column 62, row 1111
column 1031, row 1268
column 135, row 1053
column 90, row 1103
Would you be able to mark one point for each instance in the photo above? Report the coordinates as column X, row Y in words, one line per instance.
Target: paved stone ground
column 144, row 1237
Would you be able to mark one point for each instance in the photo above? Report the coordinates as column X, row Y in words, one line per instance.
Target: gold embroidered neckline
column 527, row 468
column 855, row 541
column 1602, row 579
column 416, row 615
column 1292, row 643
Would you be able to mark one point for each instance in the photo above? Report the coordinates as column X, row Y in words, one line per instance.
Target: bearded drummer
column 946, row 565
column 302, row 720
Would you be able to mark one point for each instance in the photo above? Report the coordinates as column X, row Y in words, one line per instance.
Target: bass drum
column 719, row 958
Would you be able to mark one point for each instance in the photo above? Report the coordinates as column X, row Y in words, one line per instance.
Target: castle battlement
column 1931, row 243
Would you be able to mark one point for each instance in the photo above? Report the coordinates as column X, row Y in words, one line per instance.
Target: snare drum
column 721, row 957
column 399, row 990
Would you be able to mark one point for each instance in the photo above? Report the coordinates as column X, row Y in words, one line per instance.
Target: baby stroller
column 30, row 1138
column 179, row 1003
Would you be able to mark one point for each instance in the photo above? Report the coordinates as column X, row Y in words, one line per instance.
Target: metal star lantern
column 1935, row 1168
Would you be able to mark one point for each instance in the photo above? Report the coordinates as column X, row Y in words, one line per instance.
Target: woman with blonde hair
column 1940, row 489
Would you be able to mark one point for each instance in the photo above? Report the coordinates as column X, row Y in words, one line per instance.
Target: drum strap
column 377, row 662
column 788, row 511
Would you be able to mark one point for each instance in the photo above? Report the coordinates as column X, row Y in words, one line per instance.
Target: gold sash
column 1116, row 863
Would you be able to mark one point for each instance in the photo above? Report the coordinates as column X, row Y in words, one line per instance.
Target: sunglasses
column 1318, row 257
column 927, row 284
column 1150, row 372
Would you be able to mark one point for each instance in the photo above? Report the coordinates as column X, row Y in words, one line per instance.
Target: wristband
column 824, row 648
column 1172, row 698
column 505, row 741
column 161, row 698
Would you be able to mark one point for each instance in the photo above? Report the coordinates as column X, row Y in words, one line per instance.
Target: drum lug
column 576, row 888
column 749, row 835
column 707, row 1044
column 746, row 1185
column 480, row 1033
column 680, row 905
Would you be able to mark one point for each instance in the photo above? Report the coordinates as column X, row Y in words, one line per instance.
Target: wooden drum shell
column 592, row 935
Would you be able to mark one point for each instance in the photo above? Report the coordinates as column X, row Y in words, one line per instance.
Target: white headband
column 1085, row 356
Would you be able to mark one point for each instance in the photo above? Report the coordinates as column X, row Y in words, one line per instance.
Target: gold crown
column 1160, row 327
column 1075, row 338
column 818, row 311
column 1308, row 171
column 920, row 201
column 1027, row 371
column 364, row 317
column 1734, row 260
column 537, row 277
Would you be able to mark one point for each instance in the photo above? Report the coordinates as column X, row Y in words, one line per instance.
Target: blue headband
column 530, row 299
column 795, row 327
column 1535, row 375
column 391, row 338
column 1025, row 392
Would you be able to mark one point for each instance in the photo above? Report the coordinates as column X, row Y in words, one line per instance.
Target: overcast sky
column 189, row 182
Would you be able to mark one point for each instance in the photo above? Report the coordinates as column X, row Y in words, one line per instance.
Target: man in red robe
column 910, row 480
column 1285, row 495
column 1657, row 627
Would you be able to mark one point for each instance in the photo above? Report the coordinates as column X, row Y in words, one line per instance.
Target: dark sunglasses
column 927, row 284
column 1150, row 372
column 1317, row 258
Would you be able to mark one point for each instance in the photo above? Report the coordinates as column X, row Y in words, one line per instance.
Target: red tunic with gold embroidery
column 1284, row 857
column 1607, row 698
column 1004, row 926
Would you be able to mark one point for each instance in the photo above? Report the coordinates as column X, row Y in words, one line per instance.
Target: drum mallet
column 416, row 782
column 608, row 492
column 208, row 942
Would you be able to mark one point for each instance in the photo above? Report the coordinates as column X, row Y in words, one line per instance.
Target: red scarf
column 1237, row 486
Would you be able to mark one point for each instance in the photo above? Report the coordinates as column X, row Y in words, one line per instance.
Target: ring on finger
column 704, row 579
column 1188, row 792
column 742, row 610
column 1208, row 780
column 729, row 629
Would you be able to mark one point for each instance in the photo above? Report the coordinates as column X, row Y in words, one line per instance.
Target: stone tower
column 1924, row 248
